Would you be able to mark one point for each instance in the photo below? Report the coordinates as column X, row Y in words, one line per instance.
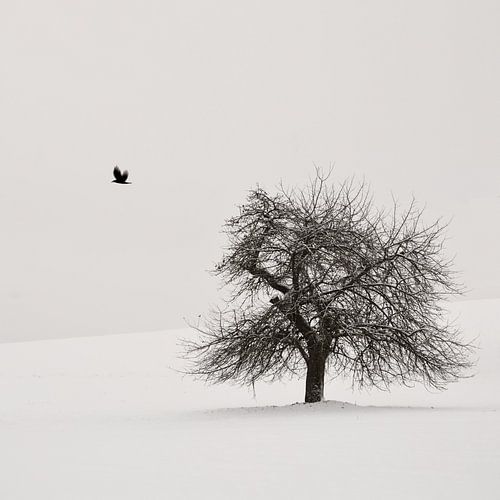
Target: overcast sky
column 202, row 100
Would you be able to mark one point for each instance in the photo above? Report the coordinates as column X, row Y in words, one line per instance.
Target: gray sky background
column 202, row 100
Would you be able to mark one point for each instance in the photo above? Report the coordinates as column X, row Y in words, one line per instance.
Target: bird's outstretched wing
column 124, row 175
column 117, row 174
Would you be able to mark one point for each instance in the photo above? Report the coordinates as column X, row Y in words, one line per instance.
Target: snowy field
column 112, row 418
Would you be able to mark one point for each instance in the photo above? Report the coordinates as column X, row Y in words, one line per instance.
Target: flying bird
column 120, row 177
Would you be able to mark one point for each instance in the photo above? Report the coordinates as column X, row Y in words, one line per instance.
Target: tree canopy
column 324, row 283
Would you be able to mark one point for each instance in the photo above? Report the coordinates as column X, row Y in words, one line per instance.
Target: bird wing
column 124, row 175
column 117, row 174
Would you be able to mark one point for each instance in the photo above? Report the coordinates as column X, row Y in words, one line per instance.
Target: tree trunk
column 315, row 378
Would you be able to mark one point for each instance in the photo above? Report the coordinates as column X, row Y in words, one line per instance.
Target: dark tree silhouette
column 321, row 282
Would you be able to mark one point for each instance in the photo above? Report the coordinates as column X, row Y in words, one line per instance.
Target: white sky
column 202, row 100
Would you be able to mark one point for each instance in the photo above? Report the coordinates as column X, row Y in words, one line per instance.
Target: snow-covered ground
column 113, row 418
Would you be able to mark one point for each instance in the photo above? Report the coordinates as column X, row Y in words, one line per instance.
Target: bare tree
column 321, row 282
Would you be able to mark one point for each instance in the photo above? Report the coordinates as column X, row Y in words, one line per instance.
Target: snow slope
column 112, row 418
